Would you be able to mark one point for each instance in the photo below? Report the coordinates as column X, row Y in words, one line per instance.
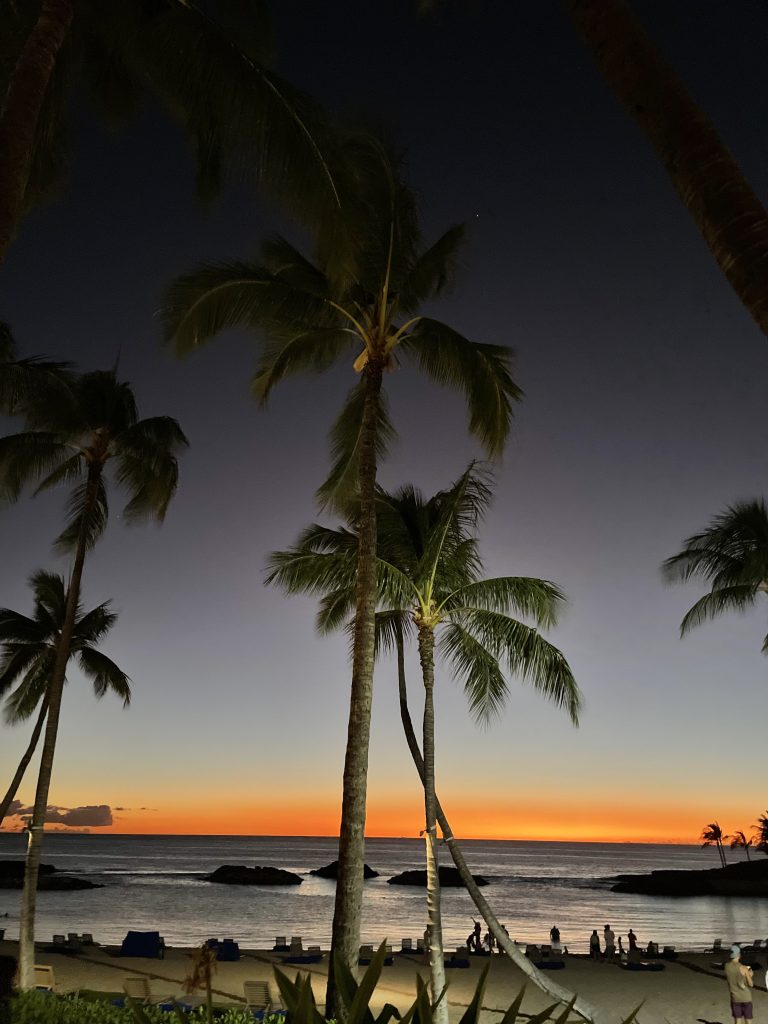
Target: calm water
column 154, row 882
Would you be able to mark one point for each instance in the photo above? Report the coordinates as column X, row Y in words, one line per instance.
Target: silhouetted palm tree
column 28, row 647
column 740, row 842
column 74, row 436
column 429, row 579
column 206, row 64
column 760, row 828
column 724, row 207
column 713, row 835
column 732, row 556
column 359, row 297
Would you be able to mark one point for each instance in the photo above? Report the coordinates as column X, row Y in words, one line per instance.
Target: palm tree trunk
column 26, row 757
column 708, row 180
column 21, row 108
column 55, row 692
column 345, row 936
column 539, row 978
column 434, row 921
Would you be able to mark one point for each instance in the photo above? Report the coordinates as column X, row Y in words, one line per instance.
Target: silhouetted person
column 554, row 935
column 475, row 940
column 8, row 967
column 594, row 945
column 610, row 942
column 632, row 939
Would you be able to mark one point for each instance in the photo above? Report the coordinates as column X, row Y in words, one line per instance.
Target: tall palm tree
column 713, row 835
column 358, row 301
column 28, row 648
column 711, row 185
column 760, row 828
column 207, row 64
column 429, row 580
column 740, row 842
column 732, row 556
column 92, row 425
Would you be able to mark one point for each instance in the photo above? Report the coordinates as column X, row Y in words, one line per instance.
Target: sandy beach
column 688, row 990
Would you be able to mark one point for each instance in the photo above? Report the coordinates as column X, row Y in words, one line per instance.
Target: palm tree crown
column 760, row 828
column 358, row 299
column 74, row 435
column 29, row 648
column 430, row 575
column 732, row 556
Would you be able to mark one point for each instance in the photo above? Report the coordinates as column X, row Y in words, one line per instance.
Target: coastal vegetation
column 430, row 587
column 356, row 301
column 28, row 656
column 75, row 433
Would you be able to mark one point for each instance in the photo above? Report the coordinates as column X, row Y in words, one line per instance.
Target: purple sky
column 643, row 417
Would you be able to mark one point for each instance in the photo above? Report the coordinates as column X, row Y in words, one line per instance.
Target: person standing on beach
column 594, row 945
column 610, row 942
column 632, row 939
column 554, row 935
column 740, row 984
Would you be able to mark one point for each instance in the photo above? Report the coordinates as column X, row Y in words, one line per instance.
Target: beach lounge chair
column 280, row 946
column 144, row 944
column 296, row 948
column 44, row 979
column 459, row 959
column 420, row 946
column 669, row 953
column 140, row 991
column 717, row 947
column 59, row 940
column 259, row 998
column 406, row 945
column 87, row 939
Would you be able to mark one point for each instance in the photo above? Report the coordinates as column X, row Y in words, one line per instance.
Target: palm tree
column 732, row 556
column 91, row 425
column 360, row 296
column 713, row 835
column 740, row 841
column 723, row 205
column 29, row 653
column 430, row 580
column 760, row 828
column 209, row 73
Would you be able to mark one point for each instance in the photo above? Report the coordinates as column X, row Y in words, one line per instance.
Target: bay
column 155, row 882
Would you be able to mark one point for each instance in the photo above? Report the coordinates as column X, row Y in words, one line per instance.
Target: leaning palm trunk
column 55, row 692
column 723, row 205
column 21, row 108
column 26, row 757
column 434, row 925
column 345, row 940
column 510, row 947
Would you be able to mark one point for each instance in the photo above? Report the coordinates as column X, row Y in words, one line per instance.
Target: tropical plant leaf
column 523, row 595
column 346, row 438
column 104, row 674
column 25, row 457
column 484, row 682
column 738, row 598
column 302, row 350
column 433, row 271
column 481, row 371
column 85, row 513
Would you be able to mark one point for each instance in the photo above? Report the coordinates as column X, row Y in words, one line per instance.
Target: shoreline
column 687, row 989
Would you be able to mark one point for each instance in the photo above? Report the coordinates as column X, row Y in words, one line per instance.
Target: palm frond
column 726, row 599
column 334, row 610
column 481, row 371
column 433, row 271
column 298, row 570
column 346, row 438
column 527, row 654
column 26, row 457
column 93, row 626
column 84, row 514
column 301, row 350
column 26, row 698
column 18, row 628
column 50, row 601
column 476, row 666
column 732, row 550
column 68, row 470
column 539, row 600
column 104, row 674
column 17, row 659
column 286, row 263
column 390, row 625
column 147, row 466
column 217, row 296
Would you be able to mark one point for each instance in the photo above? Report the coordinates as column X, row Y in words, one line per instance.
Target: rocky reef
column 449, row 878
column 742, row 879
column 239, row 874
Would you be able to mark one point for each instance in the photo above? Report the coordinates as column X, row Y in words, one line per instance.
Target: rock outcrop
column 49, row 880
column 332, row 871
column 239, row 874
column 742, row 879
column 449, row 879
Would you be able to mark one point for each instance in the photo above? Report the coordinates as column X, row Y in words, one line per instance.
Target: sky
column 643, row 417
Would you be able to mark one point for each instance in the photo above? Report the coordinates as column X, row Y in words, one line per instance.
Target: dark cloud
column 94, row 816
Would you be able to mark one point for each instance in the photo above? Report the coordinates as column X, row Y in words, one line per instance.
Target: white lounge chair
column 260, row 998
column 406, row 945
column 296, row 948
column 140, row 991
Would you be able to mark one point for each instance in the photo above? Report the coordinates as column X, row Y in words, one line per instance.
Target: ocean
column 155, row 883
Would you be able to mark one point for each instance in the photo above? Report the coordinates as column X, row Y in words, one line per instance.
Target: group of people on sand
column 614, row 950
